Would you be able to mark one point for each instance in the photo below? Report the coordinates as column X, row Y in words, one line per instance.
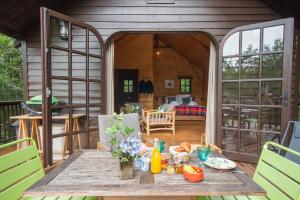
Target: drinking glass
column 161, row 145
column 203, row 153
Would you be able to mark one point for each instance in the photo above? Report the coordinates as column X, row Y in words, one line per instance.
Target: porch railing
column 8, row 109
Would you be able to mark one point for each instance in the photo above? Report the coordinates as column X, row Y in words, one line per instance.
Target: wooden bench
column 277, row 175
column 21, row 169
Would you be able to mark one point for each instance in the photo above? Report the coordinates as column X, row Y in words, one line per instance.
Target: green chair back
column 277, row 175
column 19, row 170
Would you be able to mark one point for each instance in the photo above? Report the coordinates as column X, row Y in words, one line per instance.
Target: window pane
column 273, row 39
column 249, row 118
column 270, row 119
column 272, row 66
column 249, row 93
column 231, row 46
column 250, row 67
column 187, row 89
column 187, row 81
column 248, row 142
column 125, row 82
column 125, row 88
column 271, row 92
column 182, row 89
column 250, row 41
column 230, row 68
column 229, row 142
column 230, row 116
column 230, row 93
column 130, row 82
column 182, row 81
column 130, row 89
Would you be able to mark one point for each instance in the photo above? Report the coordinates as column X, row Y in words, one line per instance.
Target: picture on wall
column 169, row 83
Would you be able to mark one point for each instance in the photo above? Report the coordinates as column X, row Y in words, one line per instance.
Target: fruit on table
column 189, row 169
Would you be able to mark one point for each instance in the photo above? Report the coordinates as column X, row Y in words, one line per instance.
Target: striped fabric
column 190, row 110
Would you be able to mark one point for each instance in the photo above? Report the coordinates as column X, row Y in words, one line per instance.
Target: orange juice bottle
column 156, row 159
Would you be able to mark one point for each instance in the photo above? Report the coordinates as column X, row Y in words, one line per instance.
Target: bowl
column 180, row 156
column 194, row 177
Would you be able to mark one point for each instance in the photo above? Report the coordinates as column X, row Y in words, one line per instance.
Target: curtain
column 210, row 128
column 110, row 78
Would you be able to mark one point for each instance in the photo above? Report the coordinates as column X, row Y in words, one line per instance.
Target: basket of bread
column 181, row 153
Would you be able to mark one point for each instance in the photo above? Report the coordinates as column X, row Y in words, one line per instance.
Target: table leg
column 20, row 133
column 65, row 137
column 76, row 128
column 26, row 131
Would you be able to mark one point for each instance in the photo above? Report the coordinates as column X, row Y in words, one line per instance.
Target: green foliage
column 11, row 83
column 118, row 132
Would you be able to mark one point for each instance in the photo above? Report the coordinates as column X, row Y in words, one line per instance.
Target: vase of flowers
column 123, row 145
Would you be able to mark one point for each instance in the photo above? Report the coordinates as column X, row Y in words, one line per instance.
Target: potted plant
column 123, row 146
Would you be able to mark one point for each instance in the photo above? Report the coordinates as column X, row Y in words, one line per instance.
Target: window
column 185, row 85
column 128, row 86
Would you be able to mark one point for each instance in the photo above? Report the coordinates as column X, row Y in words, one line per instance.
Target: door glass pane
column 265, row 137
column 230, row 116
column 273, row 39
column 249, row 93
column 248, row 142
column 230, row 68
column 272, row 66
column 249, row 118
column 271, row 92
column 250, row 41
column 229, row 141
column 250, row 67
column 230, row 93
column 270, row 119
column 231, row 46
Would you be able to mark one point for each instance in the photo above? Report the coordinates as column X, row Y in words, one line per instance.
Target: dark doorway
column 126, row 87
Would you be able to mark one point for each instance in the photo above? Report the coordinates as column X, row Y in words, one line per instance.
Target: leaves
column 11, row 84
column 118, row 132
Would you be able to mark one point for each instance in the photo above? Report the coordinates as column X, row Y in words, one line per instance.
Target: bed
column 185, row 107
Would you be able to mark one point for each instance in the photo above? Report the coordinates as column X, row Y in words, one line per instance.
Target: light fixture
column 156, row 50
column 63, row 30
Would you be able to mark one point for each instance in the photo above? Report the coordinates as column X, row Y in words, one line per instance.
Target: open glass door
column 254, row 88
column 73, row 72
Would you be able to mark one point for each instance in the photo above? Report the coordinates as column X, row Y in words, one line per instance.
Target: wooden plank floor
column 186, row 131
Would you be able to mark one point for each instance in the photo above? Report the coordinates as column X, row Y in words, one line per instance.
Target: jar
column 179, row 168
column 170, row 168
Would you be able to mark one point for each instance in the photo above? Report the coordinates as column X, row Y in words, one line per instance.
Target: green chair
column 20, row 169
column 277, row 175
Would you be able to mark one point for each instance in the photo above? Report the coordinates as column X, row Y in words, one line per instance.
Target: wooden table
column 96, row 173
column 35, row 121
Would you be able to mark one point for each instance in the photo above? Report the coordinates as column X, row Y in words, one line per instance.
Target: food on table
column 193, row 173
column 186, row 146
column 170, row 168
column 179, row 168
column 189, row 169
column 165, row 157
column 156, row 159
column 180, row 149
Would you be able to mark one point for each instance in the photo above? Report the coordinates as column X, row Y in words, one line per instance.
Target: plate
column 220, row 163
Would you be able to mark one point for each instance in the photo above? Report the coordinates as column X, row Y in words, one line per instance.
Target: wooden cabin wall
column 215, row 17
column 169, row 66
column 135, row 51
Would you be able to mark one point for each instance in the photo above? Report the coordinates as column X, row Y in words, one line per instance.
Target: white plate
column 220, row 163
